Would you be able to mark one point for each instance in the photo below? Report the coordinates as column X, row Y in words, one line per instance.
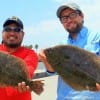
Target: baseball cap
column 13, row 19
column 73, row 6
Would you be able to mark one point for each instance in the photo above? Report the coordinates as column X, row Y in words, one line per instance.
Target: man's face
column 71, row 20
column 12, row 36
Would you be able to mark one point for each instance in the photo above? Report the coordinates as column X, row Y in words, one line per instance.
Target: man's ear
column 23, row 33
column 82, row 15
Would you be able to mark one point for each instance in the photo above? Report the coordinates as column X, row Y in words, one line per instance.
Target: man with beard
column 12, row 37
column 72, row 18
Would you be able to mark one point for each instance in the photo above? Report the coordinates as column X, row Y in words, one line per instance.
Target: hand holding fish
column 55, row 56
column 22, row 87
column 37, row 87
column 77, row 67
column 13, row 72
column 42, row 57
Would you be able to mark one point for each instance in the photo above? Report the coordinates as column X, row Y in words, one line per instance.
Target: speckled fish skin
column 77, row 67
column 13, row 70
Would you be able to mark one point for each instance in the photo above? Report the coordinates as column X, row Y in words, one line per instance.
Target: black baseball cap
column 13, row 19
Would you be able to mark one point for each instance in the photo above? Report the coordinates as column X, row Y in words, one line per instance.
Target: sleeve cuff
column 51, row 73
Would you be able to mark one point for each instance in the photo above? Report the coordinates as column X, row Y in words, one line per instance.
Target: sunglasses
column 14, row 29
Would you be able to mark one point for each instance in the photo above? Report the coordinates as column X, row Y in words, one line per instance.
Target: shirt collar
column 83, row 32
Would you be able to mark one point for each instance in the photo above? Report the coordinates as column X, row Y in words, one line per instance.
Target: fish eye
column 49, row 51
column 66, row 57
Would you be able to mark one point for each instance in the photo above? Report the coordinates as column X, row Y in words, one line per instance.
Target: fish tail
column 37, row 86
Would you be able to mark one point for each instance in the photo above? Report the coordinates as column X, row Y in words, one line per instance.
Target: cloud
column 45, row 33
column 44, row 26
column 91, row 15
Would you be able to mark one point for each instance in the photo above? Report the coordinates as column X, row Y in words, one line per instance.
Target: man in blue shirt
column 72, row 18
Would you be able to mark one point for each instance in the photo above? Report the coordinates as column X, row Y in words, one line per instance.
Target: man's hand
column 22, row 87
column 37, row 87
column 98, row 86
column 42, row 57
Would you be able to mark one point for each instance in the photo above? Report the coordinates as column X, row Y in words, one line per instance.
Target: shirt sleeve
column 93, row 43
column 31, row 60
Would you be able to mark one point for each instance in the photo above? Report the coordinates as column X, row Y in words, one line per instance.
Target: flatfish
column 78, row 67
column 13, row 70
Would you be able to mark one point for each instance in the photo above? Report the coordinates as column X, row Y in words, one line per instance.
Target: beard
column 76, row 29
column 11, row 45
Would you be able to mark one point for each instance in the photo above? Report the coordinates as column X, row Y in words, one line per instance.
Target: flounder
column 13, row 70
column 77, row 67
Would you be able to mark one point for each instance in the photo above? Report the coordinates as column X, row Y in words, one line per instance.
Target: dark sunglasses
column 14, row 29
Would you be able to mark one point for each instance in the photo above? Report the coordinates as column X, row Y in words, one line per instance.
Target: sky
column 41, row 25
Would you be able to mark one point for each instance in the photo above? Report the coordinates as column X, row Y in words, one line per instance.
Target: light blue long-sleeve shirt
column 90, row 41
